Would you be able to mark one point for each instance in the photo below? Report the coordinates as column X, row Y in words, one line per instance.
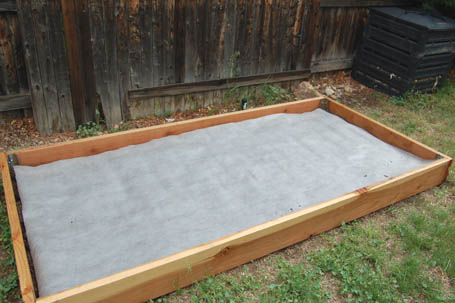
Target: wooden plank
column 113, row 104
column 20, row 254
column 95, row 145
column 41, row 15
column 13, row 102
column 122, row 54
column 383, row 132
column 136, row 16
column 181, row 269
column 104, row 47
column 10, row 82
column 8, row 6
column 229, row 39
column 83, row 19
column 202, row 86
column 83, row 107
column 33, row 66
column 59, row 57
column 19, row 59
column 311, row 41
column 179, row 29
column 168, row 34
column 366, row 3
column 332, row 65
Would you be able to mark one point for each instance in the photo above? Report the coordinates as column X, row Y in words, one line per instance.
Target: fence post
column 104, row 36
column 80, row 61
column 47, row 64
column 312, row 32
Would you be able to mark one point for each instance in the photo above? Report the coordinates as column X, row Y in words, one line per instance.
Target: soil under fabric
column 90, row 217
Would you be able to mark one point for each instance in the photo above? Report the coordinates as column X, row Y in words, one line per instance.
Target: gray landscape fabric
column 90, row 217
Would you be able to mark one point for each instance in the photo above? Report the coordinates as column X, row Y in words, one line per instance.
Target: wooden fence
column 13, row 79
column 137, row 57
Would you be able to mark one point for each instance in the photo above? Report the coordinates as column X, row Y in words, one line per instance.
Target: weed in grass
column 8, row 282
column 295, row 283
column 119, row 128
column 409, row 127
column 272, row 94
column 219, row 289
column 411, row 279
column 430, row 232
column 5, row 234
column 443, row 98
column 8, row 285
column 357, row 260
column 88, row 129
column 233, row 68
column 164, row 114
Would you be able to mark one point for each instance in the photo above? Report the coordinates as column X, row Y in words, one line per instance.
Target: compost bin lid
column 418, row 17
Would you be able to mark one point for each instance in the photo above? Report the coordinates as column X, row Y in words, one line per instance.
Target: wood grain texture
column 20, row 255
column 104, row 35
column 203, row 86
column 336, row 35
column 366, row 3
column 13, row 102
column 47, row 64
column 95, row 145
column 165, row 275
column 8, row 6
column 77, row 34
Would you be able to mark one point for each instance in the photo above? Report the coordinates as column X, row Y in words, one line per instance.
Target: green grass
column 405, row 253
column 8, row 275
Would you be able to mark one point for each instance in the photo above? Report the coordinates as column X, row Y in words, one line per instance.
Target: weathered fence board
column 78, row 45
column 84, row 53
column 337, row 37
column 12, row 66
column 47, row 67
column 14, row 102
column 8, row 6
column 104, row 31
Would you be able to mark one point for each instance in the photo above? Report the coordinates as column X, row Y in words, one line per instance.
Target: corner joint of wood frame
column 324, row 104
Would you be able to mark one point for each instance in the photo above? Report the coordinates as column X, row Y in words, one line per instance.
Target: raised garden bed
column 220, row 253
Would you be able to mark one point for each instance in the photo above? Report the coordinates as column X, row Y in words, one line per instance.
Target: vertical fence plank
column 46, row 58
column 33, row 68
column 123, row 54
column 10, row 81
column 61, row 66
column 19, row 63
column 77, row 34
column 230, row 57
column 40, row 18
column 169, row 42
column 146, row 23
column 313, row 30
column 135, row 16
column 105, row 61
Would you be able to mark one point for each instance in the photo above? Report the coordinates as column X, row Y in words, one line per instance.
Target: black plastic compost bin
column 403, row 50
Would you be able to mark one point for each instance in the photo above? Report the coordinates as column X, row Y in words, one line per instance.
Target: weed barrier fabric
column 90, row 217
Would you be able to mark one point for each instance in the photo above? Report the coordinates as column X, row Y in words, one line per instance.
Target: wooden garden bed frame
column 162, row 276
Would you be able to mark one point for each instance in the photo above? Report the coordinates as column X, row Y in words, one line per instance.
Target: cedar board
column 164, row 275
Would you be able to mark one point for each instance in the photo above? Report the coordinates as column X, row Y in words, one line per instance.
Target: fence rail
column 140, row 56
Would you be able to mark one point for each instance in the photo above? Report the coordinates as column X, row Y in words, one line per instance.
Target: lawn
column 404, row 253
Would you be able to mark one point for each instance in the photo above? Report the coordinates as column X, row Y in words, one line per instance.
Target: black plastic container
column 403, row 50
